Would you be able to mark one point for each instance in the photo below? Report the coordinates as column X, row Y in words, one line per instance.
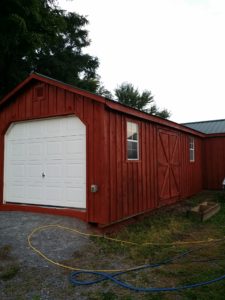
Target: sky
column 174, row 48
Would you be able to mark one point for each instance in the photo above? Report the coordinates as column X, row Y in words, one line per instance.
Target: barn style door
column 168, row 166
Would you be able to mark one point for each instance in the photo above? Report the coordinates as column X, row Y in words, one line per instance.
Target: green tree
column 36, row 35
column 101, row 90
column 127, row 94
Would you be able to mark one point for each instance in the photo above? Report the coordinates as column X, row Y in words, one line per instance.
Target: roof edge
column 109, row 103
column 16, row 89
column 213, row 135
column 60, row 84
column 155, row 119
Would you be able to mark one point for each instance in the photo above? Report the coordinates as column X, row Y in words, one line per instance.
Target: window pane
column 132, row 150
column 134, row 146
column 130, row 136
column 192, row 149
column 135, row 136
column 135, row 131
column 191, row 143
column 129, row 145
column 132, row 154
column 192, row 156
column 132, row 131
column 129, row 130
column 132, row 140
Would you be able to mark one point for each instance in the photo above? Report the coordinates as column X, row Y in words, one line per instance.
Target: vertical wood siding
column 162, row 175
column 214, row 166
column 191, row 172
column 53, row 101
column 169, row 166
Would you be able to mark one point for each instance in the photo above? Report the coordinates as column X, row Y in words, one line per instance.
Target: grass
column 9, row 272
column 5, row 252
column 36, row 297
column 169, row 225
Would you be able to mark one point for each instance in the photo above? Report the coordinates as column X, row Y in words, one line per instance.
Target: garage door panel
column 53, row 129
column 53, row 171
column 34, row 171
column 35, row 150
column 35, row 130
column 18, row 192
column 72, row 126
column 79, row 192
column 20, row 130
column 74, row 183
column 17, row 151
column 54, row 194
column 54, row 148
column 34, row 192
column 74, row 146
column 18, row 170
column 75, row 170
column 49, row 157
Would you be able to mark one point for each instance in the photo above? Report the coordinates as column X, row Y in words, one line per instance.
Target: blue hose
column 106, row 276
column 111, row 277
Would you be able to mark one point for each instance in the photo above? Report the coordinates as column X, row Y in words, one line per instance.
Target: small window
column 192, row 148
column 132, row 141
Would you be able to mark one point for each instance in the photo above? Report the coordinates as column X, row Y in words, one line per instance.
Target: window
column 192, row 148
column 132, row 141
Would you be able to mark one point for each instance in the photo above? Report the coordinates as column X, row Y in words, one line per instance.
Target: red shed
column 67, row 151
column 213, row 152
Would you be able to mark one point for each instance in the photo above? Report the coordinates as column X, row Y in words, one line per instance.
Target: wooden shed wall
column 137, row 186
column 163, row 174
column 191, row 177
column 214, row 162
column 57, row 102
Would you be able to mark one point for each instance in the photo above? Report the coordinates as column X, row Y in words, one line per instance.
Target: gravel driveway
column 32, row 277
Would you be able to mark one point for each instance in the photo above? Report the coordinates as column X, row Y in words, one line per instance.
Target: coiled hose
column 113, row 277
column 114, row 274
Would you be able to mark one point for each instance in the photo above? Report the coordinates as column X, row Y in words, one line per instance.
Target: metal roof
column 208, row 127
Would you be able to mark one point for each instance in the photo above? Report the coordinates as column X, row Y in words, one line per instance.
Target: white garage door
column 45, row 162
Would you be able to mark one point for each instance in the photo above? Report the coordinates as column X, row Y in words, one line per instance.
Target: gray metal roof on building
column 213, row 126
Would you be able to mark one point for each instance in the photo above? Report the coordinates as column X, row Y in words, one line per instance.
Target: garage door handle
column 43, row 175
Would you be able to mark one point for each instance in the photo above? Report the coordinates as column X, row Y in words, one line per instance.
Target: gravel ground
column 32, row 276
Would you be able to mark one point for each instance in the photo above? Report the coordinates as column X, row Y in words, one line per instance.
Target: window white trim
column 132, row 141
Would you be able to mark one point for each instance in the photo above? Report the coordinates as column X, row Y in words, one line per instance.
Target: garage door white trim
column 45, row 162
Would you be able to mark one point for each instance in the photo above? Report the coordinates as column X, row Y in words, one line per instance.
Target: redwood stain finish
column 163, row 174
column 58, row 102
column 169, row 166
column 33, row 208
column 155, row 179
column 214, row 162
column 191, row 172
